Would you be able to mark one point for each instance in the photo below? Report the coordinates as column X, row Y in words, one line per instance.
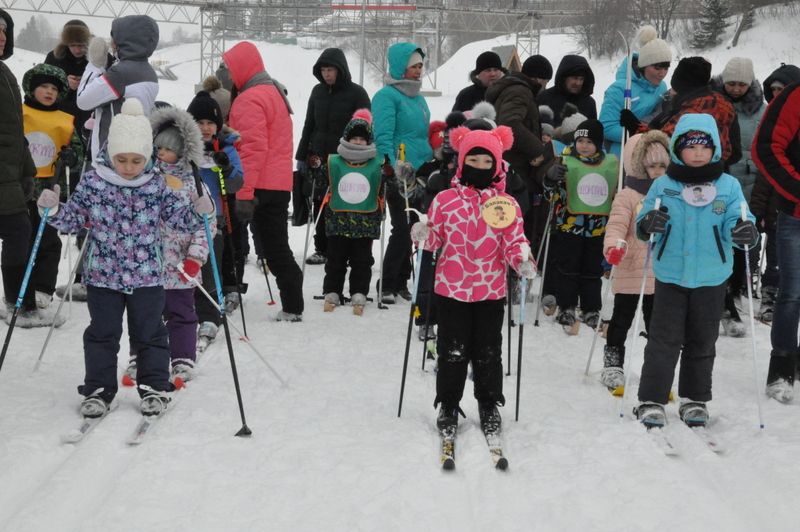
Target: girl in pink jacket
column 478, row 230
column 646, row 157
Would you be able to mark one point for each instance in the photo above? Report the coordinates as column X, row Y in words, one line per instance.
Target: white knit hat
column 739, row 69
column 130, row 131
column 652, row 50
column 414, row 59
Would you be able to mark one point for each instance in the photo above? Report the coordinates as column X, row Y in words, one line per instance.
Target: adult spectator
column 330, row 107
column 401, row 118
column 261, row 114
column 649, row 67
column 574, row 84
column 777, row 81
column 488, row 68
column 16, row 178
column 539, row 70
column 776, row 153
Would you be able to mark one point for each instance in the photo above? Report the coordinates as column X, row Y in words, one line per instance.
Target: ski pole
column 308, row 225
column 24, row 286
column 71, row 280
column 752, row 320
column 509, row 320
column 408, row 332
column 637, row 315
column 544, row 273
column 266, row 276
column 247, row 341
column 69, row 252
column 627, row 104
column 245, row 430
column 523, row 284
column 428, row 303
column 229, row 237
column 381, row 306
column 622, row 245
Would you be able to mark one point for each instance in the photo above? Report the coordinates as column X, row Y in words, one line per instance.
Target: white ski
column 143, row 428
column 87, row 425
column 709, row 439
column 661, row 440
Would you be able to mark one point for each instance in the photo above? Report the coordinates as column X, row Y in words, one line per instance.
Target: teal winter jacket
column 697, row 248
column 400, row 119
column 645, row 100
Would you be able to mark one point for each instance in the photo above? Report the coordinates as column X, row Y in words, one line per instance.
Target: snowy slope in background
column 328, row 452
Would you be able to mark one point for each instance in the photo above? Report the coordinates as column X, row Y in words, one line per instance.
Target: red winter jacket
column 776, row 148
column 260, row 114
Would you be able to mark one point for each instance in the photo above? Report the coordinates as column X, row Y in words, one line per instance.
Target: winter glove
column 527, row 269
column 98, row 52
column 420, row 232
column 629, row 121
column 221, row 159
column 245, row 209
column 405, row 172
column 49, row 199
column 615, row 255
column 68, row 156
column 761, row 223
column 314, row 161
column 202, row 204
column 386, row 168
column 191, row 268
column 655, row 221
column 745, row 233
column 556, row 173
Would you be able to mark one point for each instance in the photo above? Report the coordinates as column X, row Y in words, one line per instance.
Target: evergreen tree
column 36, row 36
column 713, row 21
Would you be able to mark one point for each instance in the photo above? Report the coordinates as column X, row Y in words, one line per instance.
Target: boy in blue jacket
column 694, row 231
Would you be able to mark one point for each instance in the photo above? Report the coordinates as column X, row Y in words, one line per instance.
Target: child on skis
column 646, row 158
column 353, row 216
column 220, row 165
column 124, row 199
column 477, row 244
column 694, row 233
column 178, row 144
column 581, row 188
column 56, row 149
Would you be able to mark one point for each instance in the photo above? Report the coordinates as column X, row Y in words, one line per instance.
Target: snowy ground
column 328, row 451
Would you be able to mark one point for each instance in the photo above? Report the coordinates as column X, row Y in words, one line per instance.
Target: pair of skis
column 665, row 443
column 448, row 449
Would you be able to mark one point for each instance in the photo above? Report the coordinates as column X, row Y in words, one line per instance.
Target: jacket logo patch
column 670, row 192
column 718, row 207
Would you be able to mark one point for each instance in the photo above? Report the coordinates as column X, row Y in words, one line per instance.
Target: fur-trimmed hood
column 637, row 166
column 749, row 104
column 165, row 117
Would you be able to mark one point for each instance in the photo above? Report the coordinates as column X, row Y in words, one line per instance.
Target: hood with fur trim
column 8, row 50
column 165, row 117
column 636, row 167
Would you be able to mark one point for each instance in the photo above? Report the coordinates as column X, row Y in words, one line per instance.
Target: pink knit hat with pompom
column 495, row 142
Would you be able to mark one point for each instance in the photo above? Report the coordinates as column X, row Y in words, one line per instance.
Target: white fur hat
column 652, row 50
column 739, row 69
column 130, row 131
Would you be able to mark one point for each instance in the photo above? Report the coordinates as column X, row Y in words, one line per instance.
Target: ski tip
column 128, row 381
column 71, row 437
column 502, row 464
column 448, row 464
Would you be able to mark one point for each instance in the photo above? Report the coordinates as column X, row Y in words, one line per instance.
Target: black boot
column 490, row 417
column 447, row 420
column 780, row 377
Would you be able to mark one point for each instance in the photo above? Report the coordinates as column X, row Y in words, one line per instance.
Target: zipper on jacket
column 664, row 242
column 719, row 244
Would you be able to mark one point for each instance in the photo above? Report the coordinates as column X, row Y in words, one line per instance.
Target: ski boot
column 43, row 299
column 566, row 318
column 591, row 318
column 154, row 402
column 129, row 376
column 182, row 371
column 78, row 292
column 651, row 415
column 780, row 376
column 447, row 420
column 733, row 326
column 331, row 302
column 206, row 333
column 612, row 376
column 316, row 258
column 289, row 317
column 35, row 317
column 549, row 305
column 232, row 302
column 359, row 301
column 426, row 333
column 490, row 417
column 693, row 413
column 94, row 405
column 404, row 293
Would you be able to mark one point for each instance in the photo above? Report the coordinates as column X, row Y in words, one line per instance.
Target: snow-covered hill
column 328, row 452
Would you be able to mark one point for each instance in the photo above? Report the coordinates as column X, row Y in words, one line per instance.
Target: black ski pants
column 425, row 294
column 397, row 260
column 687, row 318
column 271, row 219
column 625, row 306
column 355, row 252
column 45, row 271
column 470, row 332
column 236, row 249
column 577, row 268
column 320, row 237
column 15, row 232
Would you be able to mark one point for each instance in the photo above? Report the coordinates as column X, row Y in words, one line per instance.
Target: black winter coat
column 556, row 96
column 330, row 108
column 469, row 96
column 16, row 166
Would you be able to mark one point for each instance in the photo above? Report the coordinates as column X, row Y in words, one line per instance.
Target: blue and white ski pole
column 752, row 320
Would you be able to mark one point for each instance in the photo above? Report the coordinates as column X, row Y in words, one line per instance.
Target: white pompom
column 484, row 110
column 646, row 34
column 132, row 107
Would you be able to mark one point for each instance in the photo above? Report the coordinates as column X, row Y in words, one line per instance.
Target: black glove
column 68, row 156
column 761, row 223
column 654, row 221
column 221, row 159
column 314, row 161
column 387, row 170
column 629, row 121
column 745, row 233
column 245, row 209
column 556, row 173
